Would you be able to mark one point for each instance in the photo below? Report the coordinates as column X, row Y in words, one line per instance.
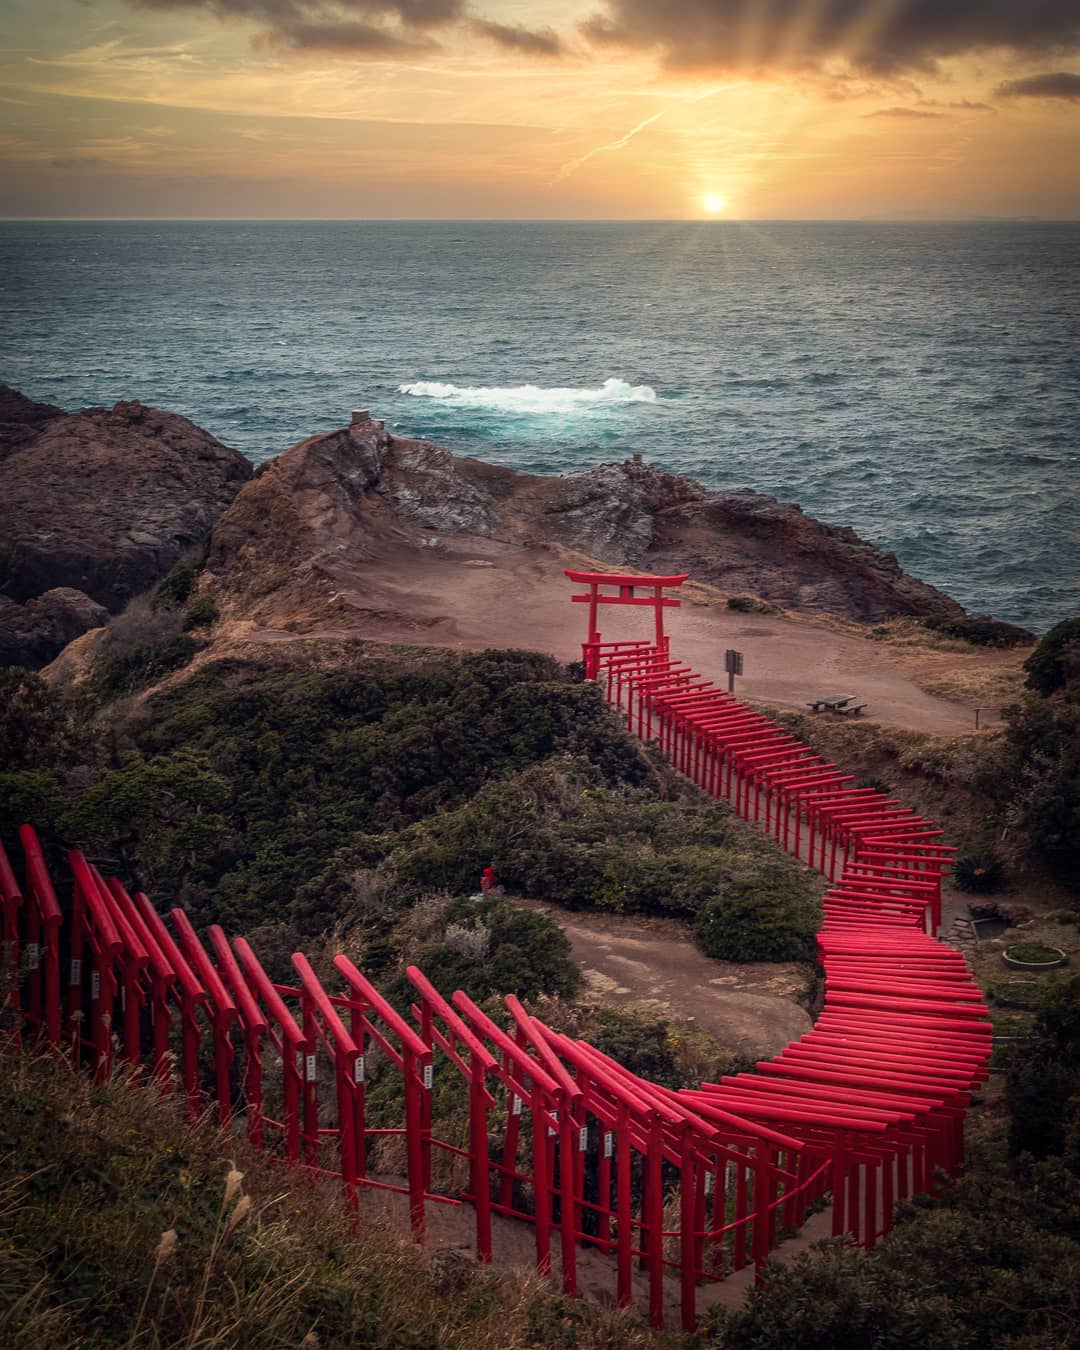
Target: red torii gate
column 627, row 583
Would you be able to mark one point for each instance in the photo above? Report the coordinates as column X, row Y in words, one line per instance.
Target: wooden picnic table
column 830, row 701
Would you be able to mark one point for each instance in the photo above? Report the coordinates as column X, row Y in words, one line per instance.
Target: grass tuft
column 120, row 1225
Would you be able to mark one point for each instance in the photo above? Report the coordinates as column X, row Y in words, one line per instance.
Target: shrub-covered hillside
column 121, row 1225
column 299, row 801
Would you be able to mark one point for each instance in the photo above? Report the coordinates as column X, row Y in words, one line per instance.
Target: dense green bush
column 1041, row 770
column 261, row 795
column 1043, row 1084
column 638, row 1042
column 201, row 613
column 316, row 760
column 978, row 872
column 557, row 832
column 1055, row 662
column 154, row 820
column 41, row 726
column 45, row 734
column 118, row 673
column 493, row 948
column 34, row 795
column 175, row 587
column 981, row 632
column 766, row 917
column 956, row 1277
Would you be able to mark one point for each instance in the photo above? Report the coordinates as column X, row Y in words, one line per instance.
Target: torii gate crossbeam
column 627, row 584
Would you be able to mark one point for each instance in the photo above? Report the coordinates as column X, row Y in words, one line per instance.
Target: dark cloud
column 366, row 27
column 530, row 41
column 793, row 35
column 902, row 112
column 376, row 28
column 348, row 38
column 412, row 13
column 1059, row 84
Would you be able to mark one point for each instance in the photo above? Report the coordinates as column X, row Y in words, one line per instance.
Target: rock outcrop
column 100, row 502
column 21, row 419
column 358, row 530
column 32, row 634
column 324, row 512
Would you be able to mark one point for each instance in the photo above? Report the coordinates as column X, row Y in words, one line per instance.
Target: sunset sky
column 737, row 109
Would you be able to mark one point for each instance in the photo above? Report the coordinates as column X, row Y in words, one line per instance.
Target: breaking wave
column 531, row 398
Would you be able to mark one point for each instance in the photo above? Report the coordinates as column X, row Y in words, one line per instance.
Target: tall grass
column 121, row 1225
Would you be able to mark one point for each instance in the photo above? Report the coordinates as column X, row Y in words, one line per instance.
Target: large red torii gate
column 627, row 584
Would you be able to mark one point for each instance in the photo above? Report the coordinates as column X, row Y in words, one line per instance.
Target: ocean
column 918, row 382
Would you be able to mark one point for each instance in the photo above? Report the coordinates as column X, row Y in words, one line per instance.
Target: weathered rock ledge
column 96, row 506
column 360, row 531
column 340, row 512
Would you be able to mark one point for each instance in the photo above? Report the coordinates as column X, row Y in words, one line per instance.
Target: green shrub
column 1055, row 662
column 555, row 832
column 1033, row 952
column 490, row 949
column 955, row 1276
column 978, row 872
column 175, row 587
column 377, row 759
column 418, row 775
column 1043, row 1086
column 1041, row 776
column 201, row 613
column 981, row 632
column 767, row 917
column 1015, row 993
column 115, row 674
column 157, row 821
column 638, row 1042
column 41, row 726
column 34, row 795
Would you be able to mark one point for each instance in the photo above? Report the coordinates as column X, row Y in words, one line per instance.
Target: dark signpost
column 733, row 666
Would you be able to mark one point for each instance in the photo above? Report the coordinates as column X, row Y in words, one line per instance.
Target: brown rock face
column 106, row 501
column 346, row 514
column 32, row 634
column 21, row 419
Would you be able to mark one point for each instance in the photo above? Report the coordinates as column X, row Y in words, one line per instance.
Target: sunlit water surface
column 917, row 382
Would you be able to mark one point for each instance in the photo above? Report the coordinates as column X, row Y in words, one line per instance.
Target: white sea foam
column 531, row 398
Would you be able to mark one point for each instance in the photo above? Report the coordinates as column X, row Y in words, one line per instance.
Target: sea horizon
column 554, row 220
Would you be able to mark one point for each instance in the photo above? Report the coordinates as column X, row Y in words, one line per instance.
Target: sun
column 713, row 203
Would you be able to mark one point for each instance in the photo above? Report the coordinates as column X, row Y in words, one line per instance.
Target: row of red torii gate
column 677, row 1189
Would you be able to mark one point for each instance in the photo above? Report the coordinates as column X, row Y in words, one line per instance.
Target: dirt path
column 652, row 964
column 498, row 595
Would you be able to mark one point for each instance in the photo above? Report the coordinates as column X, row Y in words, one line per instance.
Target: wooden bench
column 833, row 702
column 850, row 709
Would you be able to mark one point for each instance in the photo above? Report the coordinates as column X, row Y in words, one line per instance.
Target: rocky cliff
column 340, row 515
column 361, row 532
column 96, row 506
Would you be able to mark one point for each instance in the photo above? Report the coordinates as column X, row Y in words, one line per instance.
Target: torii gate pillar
column 625, row 585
